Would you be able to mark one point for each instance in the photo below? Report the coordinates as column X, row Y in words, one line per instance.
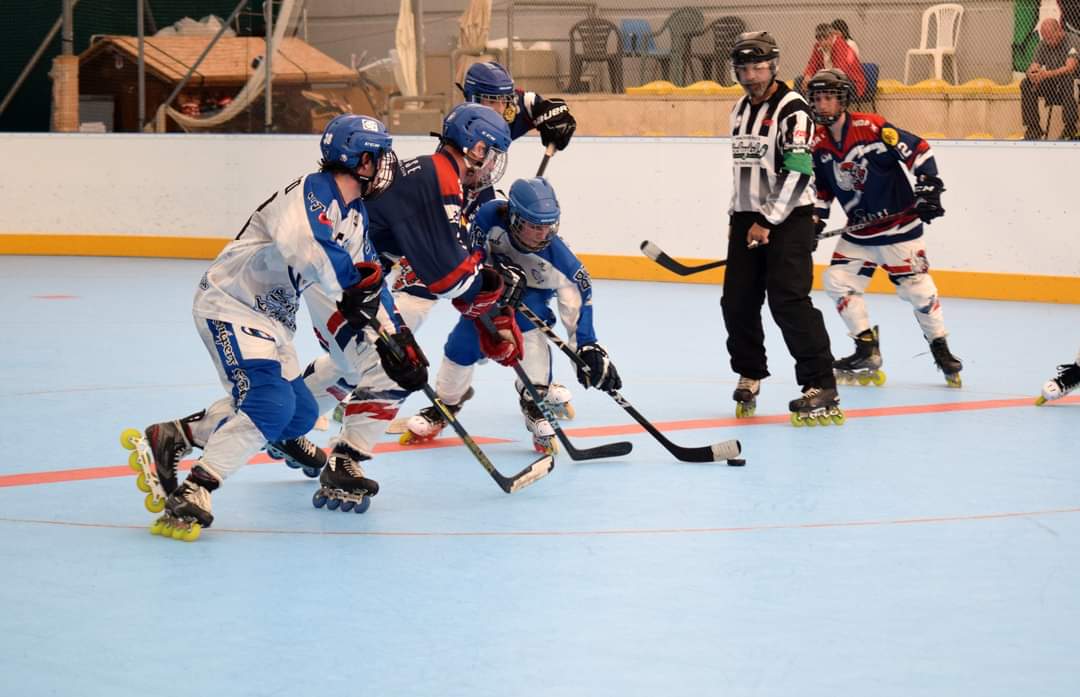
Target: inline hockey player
column 309, row 233
column 862, row 160
column 490, row 84
column 524, row 229
column 419, row 216
column 1067, row 380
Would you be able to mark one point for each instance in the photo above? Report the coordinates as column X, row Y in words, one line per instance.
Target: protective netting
column 628, row 67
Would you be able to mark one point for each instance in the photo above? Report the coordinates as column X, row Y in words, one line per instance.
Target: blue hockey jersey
column 865, row 172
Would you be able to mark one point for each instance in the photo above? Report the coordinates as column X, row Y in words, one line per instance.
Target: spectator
column 1050, row 76
column 842, row 27
column 831, row 50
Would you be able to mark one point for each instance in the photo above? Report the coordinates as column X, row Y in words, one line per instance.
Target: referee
column 772, row 235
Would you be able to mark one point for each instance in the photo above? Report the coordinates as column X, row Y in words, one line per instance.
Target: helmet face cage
column 518, row 221
column 830, row 84
column 486, row 163
column 502, row 103
column 385, row 168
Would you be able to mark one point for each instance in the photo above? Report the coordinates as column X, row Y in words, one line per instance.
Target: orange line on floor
column 613, row 532
column 75, row 475
column 626, row 429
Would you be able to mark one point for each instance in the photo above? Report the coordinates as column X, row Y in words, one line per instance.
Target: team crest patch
column 890, row 136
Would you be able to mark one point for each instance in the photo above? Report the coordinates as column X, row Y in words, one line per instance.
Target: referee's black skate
column 188, row 510
column 817, row 406
column 299, row 453
column 745, row 396
column 864, row 366
column 343, row 484
column 946, row 362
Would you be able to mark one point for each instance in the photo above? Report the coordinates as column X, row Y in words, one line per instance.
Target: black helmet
column 754, row 47
column 830, row 80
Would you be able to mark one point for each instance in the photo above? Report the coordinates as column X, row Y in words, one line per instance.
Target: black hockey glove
column 407, row 365
column 928, row 190
column 553, row 119
column 602, row 374
column 359, row 303
column 819, row 227
column 514, row 280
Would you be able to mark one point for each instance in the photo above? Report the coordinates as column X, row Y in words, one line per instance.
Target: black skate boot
column 541, row 430
column 343, row 483
column 1067, row 380
column 946, row 362
column 156, row 455
column 426, row 425
column 187, row 510
column 864, row 366
column 745, row 396
column 299, row 453
column 817, row 406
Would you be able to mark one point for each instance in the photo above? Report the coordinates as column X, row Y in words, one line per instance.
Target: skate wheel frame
column 176, row 529
column 139, row 461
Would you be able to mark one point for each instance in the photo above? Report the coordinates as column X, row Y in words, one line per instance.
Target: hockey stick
column 534, row 472
column 727, row 450
column 548, row 153
column 601, row 451
column 654, row 252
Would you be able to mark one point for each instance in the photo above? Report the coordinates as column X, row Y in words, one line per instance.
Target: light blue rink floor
column 919, row 549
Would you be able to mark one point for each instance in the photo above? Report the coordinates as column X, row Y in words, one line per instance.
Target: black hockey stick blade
column 654, row 252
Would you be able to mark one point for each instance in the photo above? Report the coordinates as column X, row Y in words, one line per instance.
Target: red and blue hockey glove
column 505, row 346
column 360, row 302
column 407, row 365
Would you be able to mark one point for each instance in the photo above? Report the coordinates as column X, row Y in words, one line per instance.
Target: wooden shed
column 108, row 70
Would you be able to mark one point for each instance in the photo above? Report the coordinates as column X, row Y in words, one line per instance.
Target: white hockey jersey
column 302, row 235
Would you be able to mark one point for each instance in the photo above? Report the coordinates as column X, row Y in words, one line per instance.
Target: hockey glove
column 602, row 374
column 552, row 118
column 407, row 365
column 514, row 280
column 928, row 190
column 505, row 346
column 819, row 227
column 360, row 302
column 491, row 290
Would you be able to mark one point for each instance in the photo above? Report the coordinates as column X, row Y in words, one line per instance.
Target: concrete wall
column 1011, row 205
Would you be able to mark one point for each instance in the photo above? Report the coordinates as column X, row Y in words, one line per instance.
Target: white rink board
column 1011, row 205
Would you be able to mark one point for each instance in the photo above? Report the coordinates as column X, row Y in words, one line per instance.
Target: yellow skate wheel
column 1040, row 400
column 953, row 381
column 158, row 527
column 824, row 420
column 878, row 378
column 154, row 505
column 141, row 484
column 189, row 535
column 743, row 412
column 570, row 413
column 133, row 461
column 407, row 438
column 838, row 418
column 796, row 420
column 129, row 437
column 863, row 379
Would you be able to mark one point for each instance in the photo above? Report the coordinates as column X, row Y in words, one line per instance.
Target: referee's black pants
column 783, row 271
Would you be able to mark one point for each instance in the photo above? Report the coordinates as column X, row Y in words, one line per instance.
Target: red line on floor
column 75, row 475
column 54, row 297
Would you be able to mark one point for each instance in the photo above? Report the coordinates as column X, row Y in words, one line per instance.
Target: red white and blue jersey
column 865, row 172
column 302, row 235
column 420, row 218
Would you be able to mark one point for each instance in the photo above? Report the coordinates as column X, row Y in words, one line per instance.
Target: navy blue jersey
column 420, row 218
column 865, row 172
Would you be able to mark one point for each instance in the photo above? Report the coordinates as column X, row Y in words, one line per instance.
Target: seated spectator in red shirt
column 832, row 51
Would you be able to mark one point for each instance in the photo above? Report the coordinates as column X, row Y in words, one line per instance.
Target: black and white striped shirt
column 770, row 147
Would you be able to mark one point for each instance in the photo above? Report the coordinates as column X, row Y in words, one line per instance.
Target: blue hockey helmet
column 344, row 141
column 490, row 84
column 533, row 214
column 482, row 137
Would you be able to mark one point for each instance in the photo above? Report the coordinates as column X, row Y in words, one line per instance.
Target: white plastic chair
column 947, row 18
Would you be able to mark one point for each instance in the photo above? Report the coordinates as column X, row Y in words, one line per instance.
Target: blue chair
column 871, row 71
column 638, row 42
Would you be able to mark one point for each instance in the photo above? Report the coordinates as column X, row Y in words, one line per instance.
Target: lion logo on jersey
column 279, row 304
